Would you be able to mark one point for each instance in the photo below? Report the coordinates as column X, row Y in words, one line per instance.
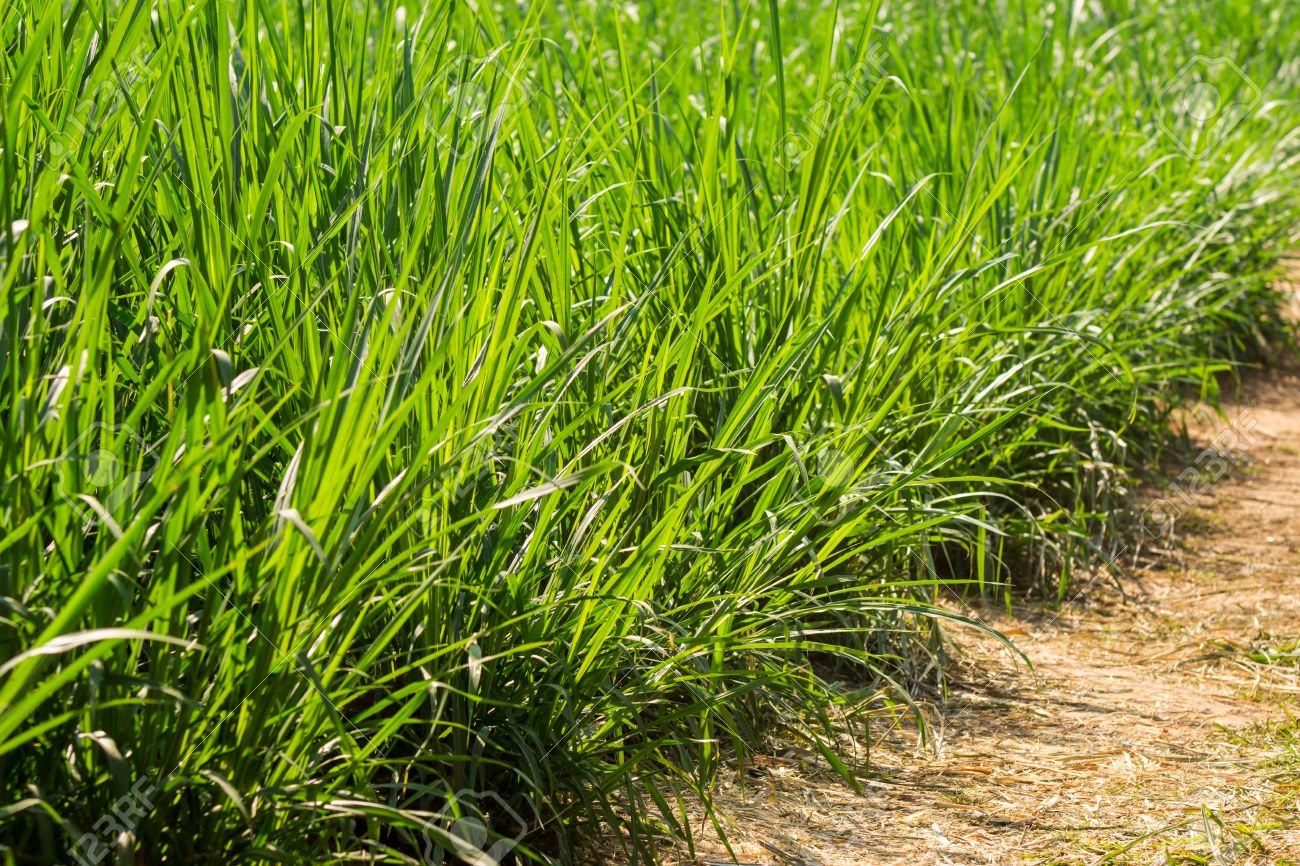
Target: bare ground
column 1156, row 727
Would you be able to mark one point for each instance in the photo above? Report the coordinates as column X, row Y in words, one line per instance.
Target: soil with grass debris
column 1156, row 726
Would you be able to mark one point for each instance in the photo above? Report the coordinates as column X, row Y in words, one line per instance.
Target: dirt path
column 1156, row 730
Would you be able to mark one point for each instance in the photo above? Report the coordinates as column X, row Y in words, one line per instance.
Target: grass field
column 515, row 413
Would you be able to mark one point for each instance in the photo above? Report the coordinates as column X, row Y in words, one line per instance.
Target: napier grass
column 421, row 416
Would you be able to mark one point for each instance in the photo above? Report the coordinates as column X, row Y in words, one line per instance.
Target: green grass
column 554, row 401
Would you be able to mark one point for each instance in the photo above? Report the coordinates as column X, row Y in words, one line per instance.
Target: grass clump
column 456, row 412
